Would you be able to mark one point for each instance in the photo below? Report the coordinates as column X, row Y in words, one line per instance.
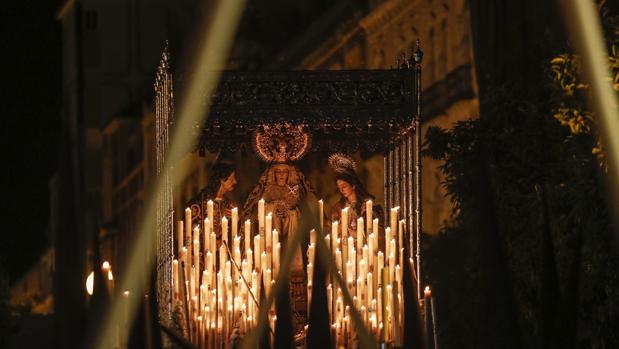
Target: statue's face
column 346, row 189
column 281, row 175
column 228, row 184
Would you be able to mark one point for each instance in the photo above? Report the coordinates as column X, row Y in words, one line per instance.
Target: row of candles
column 218, row 288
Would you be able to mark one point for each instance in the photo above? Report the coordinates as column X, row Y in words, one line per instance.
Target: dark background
column 30, row 104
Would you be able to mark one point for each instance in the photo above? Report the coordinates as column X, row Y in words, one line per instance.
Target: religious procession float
column 225, row 268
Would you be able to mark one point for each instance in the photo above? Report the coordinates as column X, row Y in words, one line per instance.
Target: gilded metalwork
column 164, row 113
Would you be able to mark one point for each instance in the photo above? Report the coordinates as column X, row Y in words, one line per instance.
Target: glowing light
column 90, row 283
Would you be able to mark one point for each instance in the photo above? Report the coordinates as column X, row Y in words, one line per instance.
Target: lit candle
column 338, row 259
column 381, row 263
column 268, row 227
column 368, row 214
column 387, row 240
column 401, row 236
column 258, row 252
column 224, row 229
column 370, row 289
column 260, row 215
column 372, row 251
column 263, row 261
column 235, row 221
column 393, row 221
column 213, row 243
column 188, row 226
column 313, row 237
column 334, row 233
column 321, row 212
column 180, row 242
column 175, row 277
column 247, row 235
column 276, row 256
column 196, row 259
column 207, row 235
column 210, row 214
column 360, row 231
column 345, row 222
column 375, row 226
column 196, row 235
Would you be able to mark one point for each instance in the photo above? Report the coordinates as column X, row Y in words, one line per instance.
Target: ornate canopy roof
column 343, row 110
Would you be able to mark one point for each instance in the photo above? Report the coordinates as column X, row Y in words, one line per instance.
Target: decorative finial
column 418, row 54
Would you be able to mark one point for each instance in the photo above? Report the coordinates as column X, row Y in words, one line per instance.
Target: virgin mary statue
column 283, row 187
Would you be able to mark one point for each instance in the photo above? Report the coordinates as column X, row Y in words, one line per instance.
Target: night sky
column 30, row 131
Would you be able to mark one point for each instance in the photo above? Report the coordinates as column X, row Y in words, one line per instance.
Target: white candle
column 235, row 221
column 210, row 214
column 375, row 226
column 372, row 251
column 321, row 212
column 247, row 229
column 175, row 277
column 188, row 226
column 268, row 227
column 276, row 256
column 368, row 214
column 260, row 215
column 224, row 229
column 258, row 251
column 180, row 238
column 334, row 234
column 360, row 231
column 393, row 222
column 370, row 289
column 207, row 235
column 313, row 237
column 196, row 236
column 263, row 261
column 345, row 222
column 213, row 243
column 387, row 240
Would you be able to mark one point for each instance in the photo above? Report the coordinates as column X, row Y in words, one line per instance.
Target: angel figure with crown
column 284, row 187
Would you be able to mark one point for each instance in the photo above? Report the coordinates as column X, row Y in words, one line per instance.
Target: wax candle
column 260, row 215
column 175, row 278
column 224, row 229
column 276, row 258
column 381, row 263
column 313, row 237
column 196, row 259
column 368, row 214
column 247, row 230
column 387, row 240
column 385, row 302
column 360, row 232
column 258, row 252
column 210, row 213
column 338, row 259
column 268, row 228
column 235, row 221
column 196, row 235
column 334, row 234
column 321, row 212
column 180, row 240
column 375, row 226
column 263, row 260
column 345, row 222
column 370, row 289
column 207, row 235
column 213, row 242
column 393, row 221
column 249, row 255
column 188, row 226
column 372, row 251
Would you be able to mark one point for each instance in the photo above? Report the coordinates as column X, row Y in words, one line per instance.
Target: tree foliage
column 530, row 190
